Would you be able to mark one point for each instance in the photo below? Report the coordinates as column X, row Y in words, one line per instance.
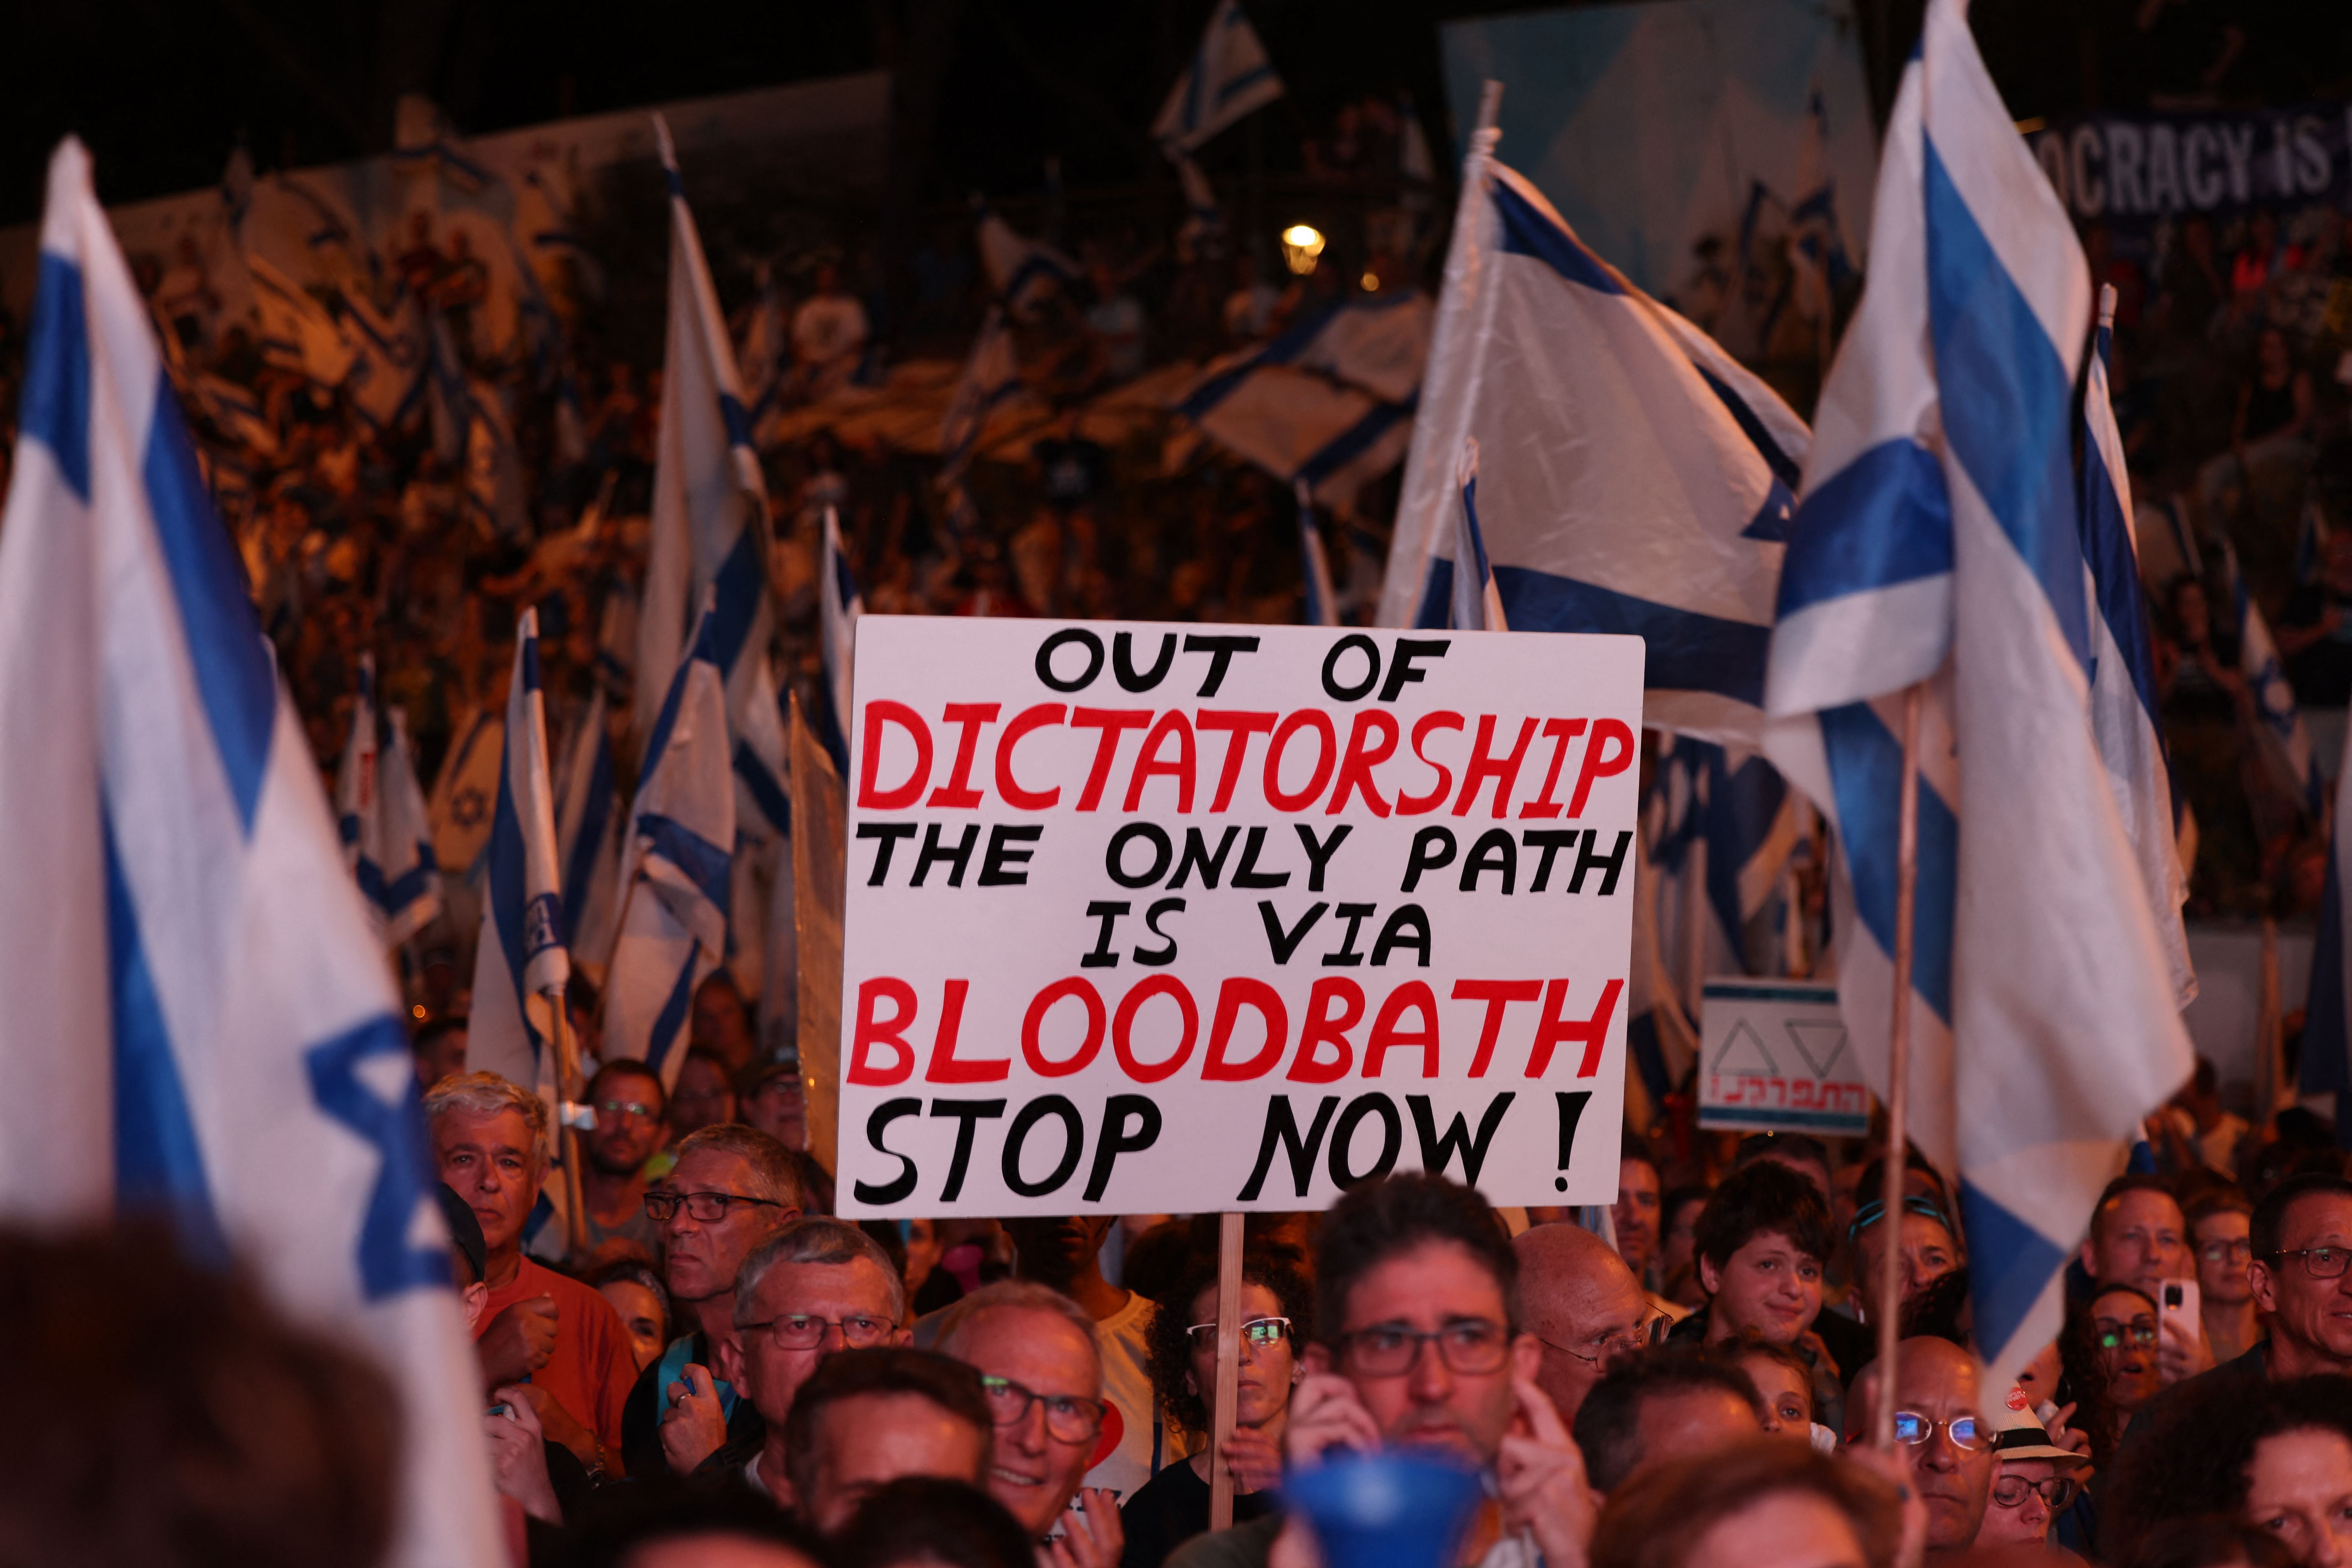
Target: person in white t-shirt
column 1065, row 1253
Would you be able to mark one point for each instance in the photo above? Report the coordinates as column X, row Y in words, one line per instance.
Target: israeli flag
column 709, row 525
column 1322, row 606
column 588, row 836
column 380, row 814
column 1023, row 273
column 1228, row 76
column 991, row 376
column 1661, row 1043
column 1936, row 542
column 1634, row 478
column 2281, row 739
column 2325, row 1066
column 386, row 385
column 198, row 1018
column 675, row 867
column 1728, row 829
column 520, row 963
column 839, row 604
column 2126, row 717
column 1474, row 605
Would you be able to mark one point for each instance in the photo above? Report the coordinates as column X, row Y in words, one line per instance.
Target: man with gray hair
column 556, row 1337
column 733, row 1188
column 1041, row 1369
column 816, row 1287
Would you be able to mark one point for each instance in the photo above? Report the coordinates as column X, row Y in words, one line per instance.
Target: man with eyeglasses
column 545, row 1331
column 1417, row 1313
column 2033, row 1484
column 732, row 1188
column 1585, row 1308
column 2302, row 1277
column 626, row 1096
column 1940, row 1435
column 1041, row 1370
column 817, row 1287
column 2220, row 1234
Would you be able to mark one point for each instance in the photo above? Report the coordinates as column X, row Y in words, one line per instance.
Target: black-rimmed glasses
column 800, row 1331
column 708, row 1208
column 1069, row 1417
column 1471, row 1347
column 2010, row 1491
column 2319, row 1262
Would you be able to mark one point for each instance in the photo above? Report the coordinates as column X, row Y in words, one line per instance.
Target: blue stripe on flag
column 1884, row 518
column 671, row 1019
column 738, row 585
column 1688, row 651
column 1741, row 804
column 595, row 812
column 233, row 671
column 409, row 885
column 1355, row 440
column 2010, row 1263
column 738, row 423
column 767, row 794
column 508, row 893
column 1528, row 231
column 704, row 863
column 158, row 1163
column 55, row 409
column 1784, row 468
column 388, row 1262
column 2006, row 400
column 2115, row 577
column 1866, row 771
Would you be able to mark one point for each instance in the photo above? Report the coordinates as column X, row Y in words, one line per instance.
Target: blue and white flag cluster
column 839, row 604
column 380, row 814
column 1328, row 402
column 198, row 1017
column 521, row 963
column 2126, row 716
column 2281, row 739
column 674, row 874
column 588, row 836
column 709, row 526
column 1633, row 478
column 1023, row 273
column 1938, row 542
column 1228, row 76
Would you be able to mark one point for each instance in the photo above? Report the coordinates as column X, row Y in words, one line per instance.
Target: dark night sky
column 162, row 88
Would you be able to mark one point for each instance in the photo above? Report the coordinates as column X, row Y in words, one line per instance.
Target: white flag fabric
column 1473, row 602
column 465, row 791
column 709, row 525
column 1937, row 541
column 991, row 376
column 297, row 332
column 1228, row 76
column 380, row 814
column 676, row 867
column 588, row 837
column 199, row 1018
column 1660, row 512
column 839, row 604
column 2126, row 716
column 521, row 955
column 1322, row 606
column 1023, row 273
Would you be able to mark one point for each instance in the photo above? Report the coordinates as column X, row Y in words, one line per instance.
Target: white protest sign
column 1775, row 1058
column 1168, row 918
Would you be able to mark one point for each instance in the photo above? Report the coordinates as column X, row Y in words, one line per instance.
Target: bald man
column 1585, row 1308
column 1952, row 1470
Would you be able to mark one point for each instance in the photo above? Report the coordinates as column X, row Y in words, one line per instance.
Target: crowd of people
column 729, row 1375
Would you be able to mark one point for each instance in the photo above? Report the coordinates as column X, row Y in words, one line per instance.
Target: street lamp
column 1301, row 244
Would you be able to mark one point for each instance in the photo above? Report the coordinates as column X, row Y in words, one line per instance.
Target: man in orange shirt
column 556, row 1337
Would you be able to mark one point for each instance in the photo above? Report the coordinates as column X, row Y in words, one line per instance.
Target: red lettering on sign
column 1327, row 757
column 958, row 793
column 1387, row 1034
column 945, row 1065
column 1028, row 719
column 1113, row 722
column 1557, row 1028
column 1415, row 805
column 1238, row 993
column 871, row 796
column 1333, row 1009
column 1485, row 765
column 1371, row 742
column 1240, row 727
column 1123, row 1021
column 1497, row 994
column 1147, row 765
column 1598, row 764
column 1559, row 732
column 1034, row 1053
column 874, row 1031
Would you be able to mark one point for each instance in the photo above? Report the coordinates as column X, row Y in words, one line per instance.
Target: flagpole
column 567, row 1094
column 1889, row 1305
column 1229, row 1360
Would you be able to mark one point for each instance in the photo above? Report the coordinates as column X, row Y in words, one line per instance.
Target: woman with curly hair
column 1277, row 1319
column 2275, row 1455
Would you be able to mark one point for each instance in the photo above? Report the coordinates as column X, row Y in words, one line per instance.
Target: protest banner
column 1777, row 1060
column 1151, row 919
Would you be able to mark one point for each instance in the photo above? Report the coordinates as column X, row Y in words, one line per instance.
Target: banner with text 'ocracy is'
column 1151, row 918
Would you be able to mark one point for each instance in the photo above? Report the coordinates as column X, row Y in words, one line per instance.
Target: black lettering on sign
column 1551, row 841
column 1408, row 926
column 1117, row 1138
column 1282, row 1131
column 1247, row 875
column 968, row 1115
column 1220, row 652
column 933, row 853
column 1283, row 943
column 1061, row 639
column 1122, row 662
column 1610, row 864
column 1571, row 1111
column 1347, row 957
column 889, row 833
column 1016, row 1137
column 902, row 1184
column 1115, row 856
column 1156, row 957
column 1437, row 1151
column 1433, row 851
column 998, row 867
column 1343, row 1174
column 1108, row 911
column 1354, row 642
column 1319, row 854
column 1401, row 663
column 1196, row 853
